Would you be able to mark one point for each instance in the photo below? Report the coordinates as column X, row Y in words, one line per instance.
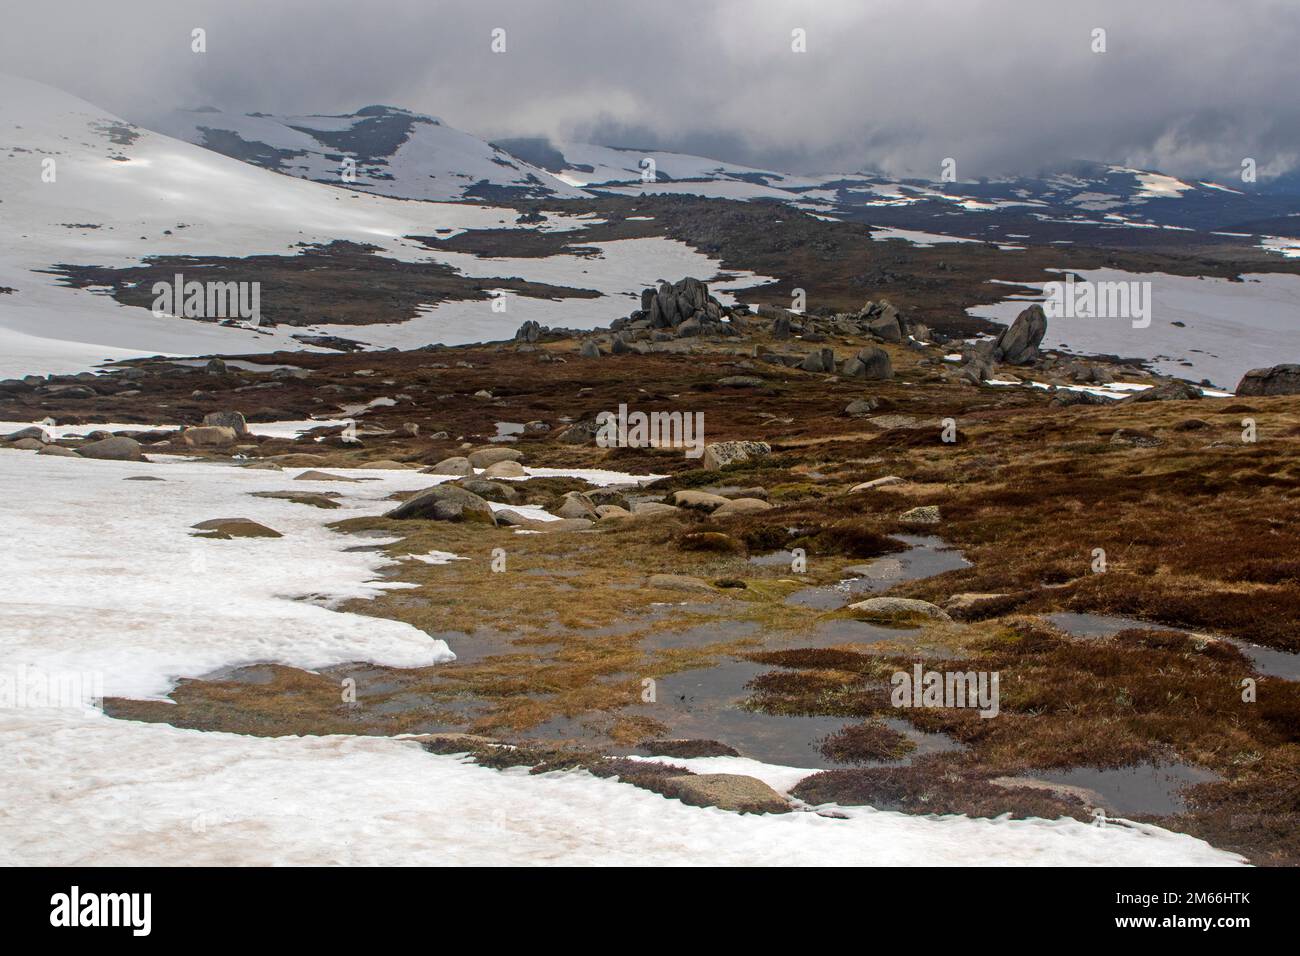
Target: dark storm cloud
column 1190, row 86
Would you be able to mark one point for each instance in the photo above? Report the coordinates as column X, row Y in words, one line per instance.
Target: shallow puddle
column 705, row 704
column 1266, row 660
column 929, row 555
column 1144, row 790
column 508, row 431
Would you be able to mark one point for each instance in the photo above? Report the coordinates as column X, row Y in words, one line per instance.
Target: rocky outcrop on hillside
column 1278, row 380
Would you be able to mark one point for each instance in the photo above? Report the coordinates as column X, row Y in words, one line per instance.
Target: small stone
column 678, row 582
column 925, row 514
column 878, row 483
column 893, row 607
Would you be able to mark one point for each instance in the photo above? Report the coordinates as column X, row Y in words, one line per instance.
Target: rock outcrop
column 1018, row 344
column 723, row 453
column 1278, row 380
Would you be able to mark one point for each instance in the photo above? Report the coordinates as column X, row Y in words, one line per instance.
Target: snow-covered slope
column 80, row 186
column 115, row 592
column 385, row 150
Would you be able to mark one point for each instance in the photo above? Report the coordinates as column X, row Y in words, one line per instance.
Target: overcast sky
column 1188, row 86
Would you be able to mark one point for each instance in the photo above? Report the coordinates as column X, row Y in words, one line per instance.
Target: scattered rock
column 1135, row 438
column 871, row 363
column 961, row 605
column 484, row 457
column 721, row 454
column 505, row 469
column 699, row 500
column 895, row 607
column 445, row 503
column 234, row 528
column 31, row 431
column 1174, row 390
column 313, row 499
column 654, row 508
column 515, row 520
column 878, row 483
column 491, row 490
column 459, row 467
column 1277, row 380
column 580, row 433
column 230, row 419
column 726, row 791
column 678, row 582
column 322, row 476
column 713, row 541
column 117, row 448
column 861, row 407
column 59, row 451
column 925, row 514
column 576, row 504
column 207, row 436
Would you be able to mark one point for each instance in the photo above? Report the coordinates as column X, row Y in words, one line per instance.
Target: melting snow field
column 118, row 194
column 104, row 577
column 621, row 270
column 1228, row 327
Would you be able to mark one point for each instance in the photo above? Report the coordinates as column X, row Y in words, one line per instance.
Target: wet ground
column 1144, row 790
column 1267, row 660
column 928, row 555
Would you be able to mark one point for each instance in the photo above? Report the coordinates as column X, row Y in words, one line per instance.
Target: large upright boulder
column 871, row 363
column 1018, row 344
column 1277, row 380
column 674, row 304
